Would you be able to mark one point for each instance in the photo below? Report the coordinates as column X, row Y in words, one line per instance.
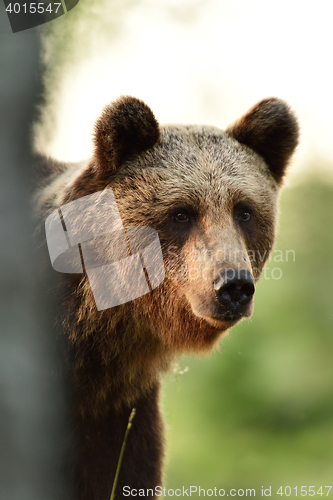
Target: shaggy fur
column 125, row 128
column 270, row 129
column 212, row 197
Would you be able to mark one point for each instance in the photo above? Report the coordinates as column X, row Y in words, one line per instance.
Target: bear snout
column 234, row 290
column 227, row 300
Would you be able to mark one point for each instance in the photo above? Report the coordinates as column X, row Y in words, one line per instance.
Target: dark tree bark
column 33, row 405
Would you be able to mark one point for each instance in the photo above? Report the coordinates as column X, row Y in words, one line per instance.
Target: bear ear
column 126, row 127
column 269, row 128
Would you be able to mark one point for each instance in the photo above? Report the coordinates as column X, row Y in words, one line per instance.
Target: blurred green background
column 260, row 411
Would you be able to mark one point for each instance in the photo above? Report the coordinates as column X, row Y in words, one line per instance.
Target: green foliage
column 260, row 412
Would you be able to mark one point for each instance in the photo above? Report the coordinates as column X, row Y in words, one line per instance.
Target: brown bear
column 211, row 197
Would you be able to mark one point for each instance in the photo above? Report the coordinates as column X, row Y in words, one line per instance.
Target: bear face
column 212, row 197
column 209, row 222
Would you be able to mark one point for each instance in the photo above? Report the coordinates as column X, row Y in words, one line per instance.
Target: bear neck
column 115, row 350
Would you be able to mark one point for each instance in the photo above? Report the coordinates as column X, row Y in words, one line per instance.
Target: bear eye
column 244, row 212
column 181, row 217
column 244, row 216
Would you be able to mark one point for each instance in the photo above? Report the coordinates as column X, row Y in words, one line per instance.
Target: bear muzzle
column 227, row 299
column 236, row 286
column 234, row 291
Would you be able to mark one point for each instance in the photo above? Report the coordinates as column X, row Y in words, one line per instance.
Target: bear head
column 211, row 195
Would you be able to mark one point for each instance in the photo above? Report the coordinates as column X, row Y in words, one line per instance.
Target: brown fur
column 270, row 129
column 156, row 173
column 125, row 128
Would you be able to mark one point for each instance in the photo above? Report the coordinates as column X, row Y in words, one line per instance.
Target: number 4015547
column 32, row 8
column 304, row 491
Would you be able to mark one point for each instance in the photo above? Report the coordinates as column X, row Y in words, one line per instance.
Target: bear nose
column 236, row 287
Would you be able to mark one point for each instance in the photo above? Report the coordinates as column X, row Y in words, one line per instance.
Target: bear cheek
column 260, row 243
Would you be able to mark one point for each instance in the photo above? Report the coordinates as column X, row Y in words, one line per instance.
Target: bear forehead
column 208, row 148
column 198, row 165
